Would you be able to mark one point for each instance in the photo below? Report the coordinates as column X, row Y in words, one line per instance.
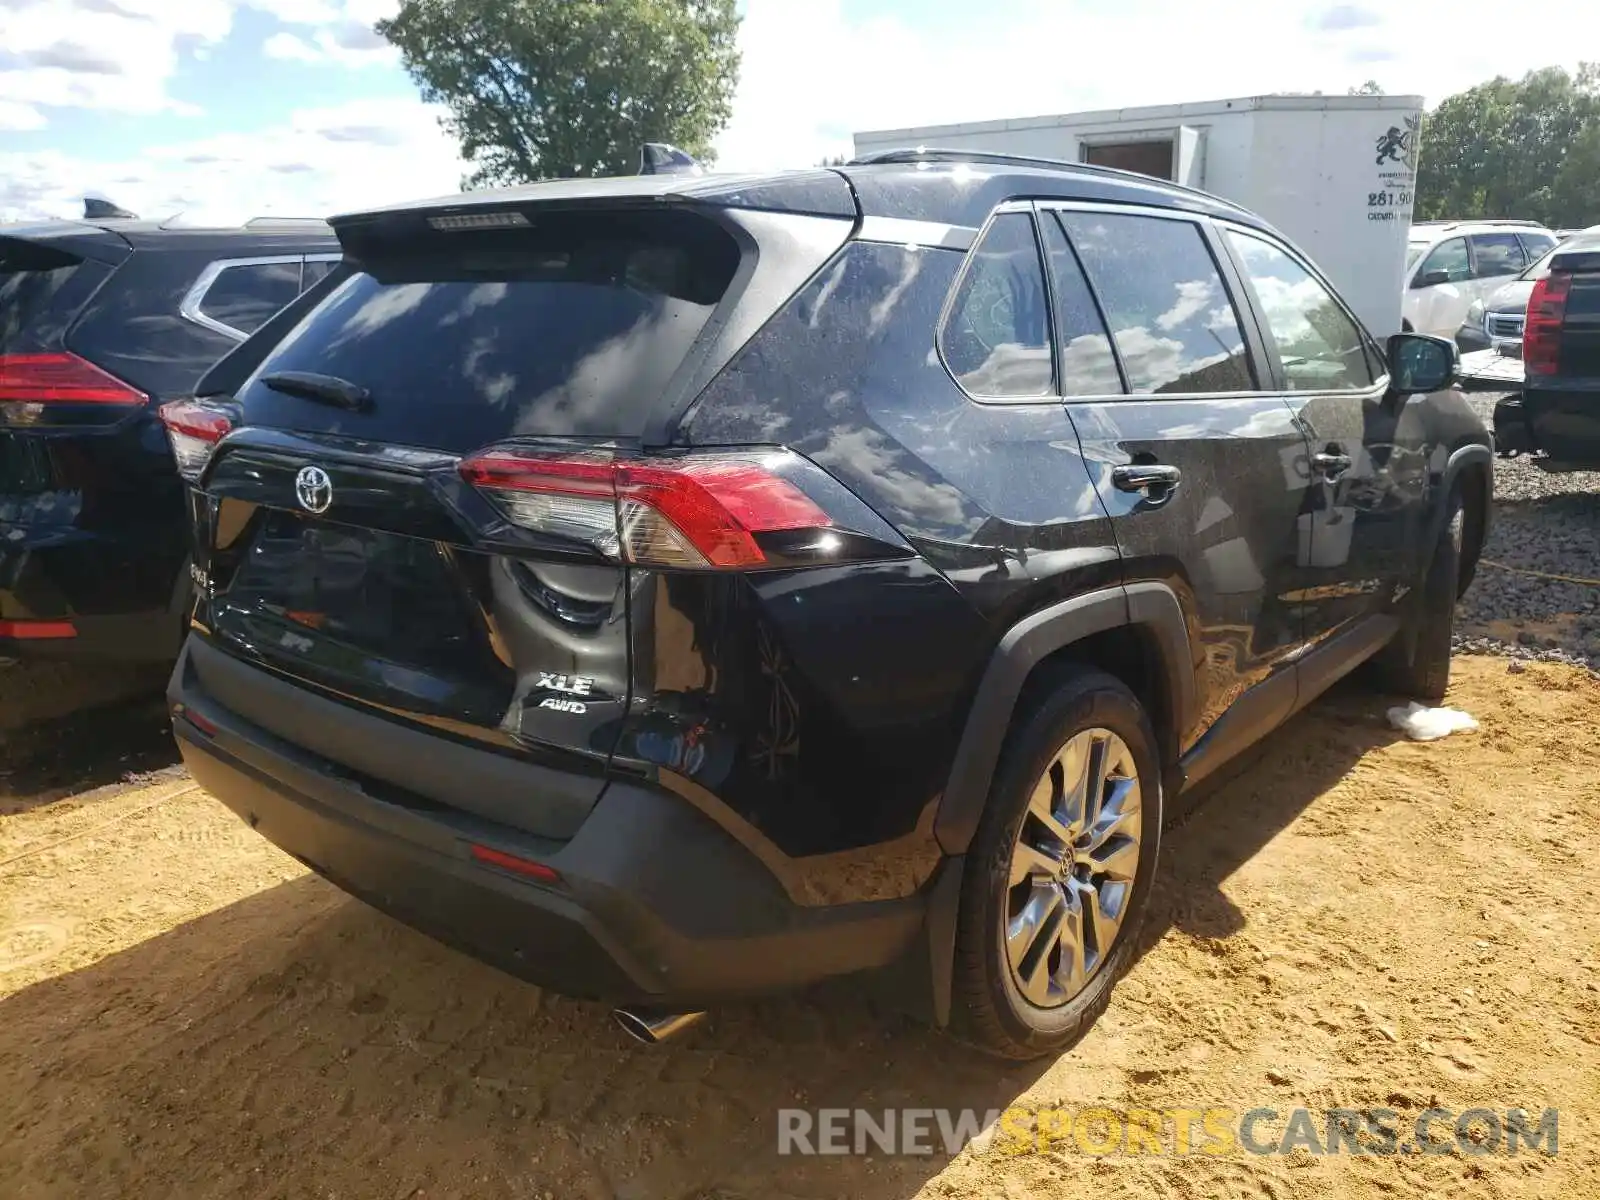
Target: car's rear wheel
column 1059, row 871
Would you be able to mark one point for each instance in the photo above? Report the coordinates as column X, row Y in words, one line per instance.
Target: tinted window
column 1580, row 241
column 1497, row 254
column 571, row 326
column 24, row 295
column 245, row 297
column 996, row 340
column 1535, row 244
column 315, row 269
column 1321, row 347
column 1450, row 258
column 1088, row 368
column 1175, row 327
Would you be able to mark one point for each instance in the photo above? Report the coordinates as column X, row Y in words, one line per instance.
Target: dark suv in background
column 101, row 321
column 677, row 588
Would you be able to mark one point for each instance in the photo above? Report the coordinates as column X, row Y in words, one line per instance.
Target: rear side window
column 1497, row 254
column 996, row 338
column 1175, row 327
column 571, row 326
column 315, row 270
column 1088, row 367
column 244, row 296
column 1322, row 349
column 1536, row 244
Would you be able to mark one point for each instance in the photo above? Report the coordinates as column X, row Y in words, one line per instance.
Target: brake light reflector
column 1541, row 331
column 193, row 429
column 517, row 866
column 61, row 377
column 698, row 511
column 37, row 630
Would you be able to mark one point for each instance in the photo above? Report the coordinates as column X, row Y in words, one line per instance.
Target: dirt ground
column 1351, row 920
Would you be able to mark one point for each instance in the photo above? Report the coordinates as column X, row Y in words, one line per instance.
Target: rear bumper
column 655, row 903
column 67, row 593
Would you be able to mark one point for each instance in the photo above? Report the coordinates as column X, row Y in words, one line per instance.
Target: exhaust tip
column 653, row 1026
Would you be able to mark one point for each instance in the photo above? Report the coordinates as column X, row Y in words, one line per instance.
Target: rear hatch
column 1561, row 353
column 344, row 544
column 47, row 393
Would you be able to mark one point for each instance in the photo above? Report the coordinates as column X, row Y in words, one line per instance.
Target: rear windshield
column 571, row 326
column 1541, row 266
column 24, row 295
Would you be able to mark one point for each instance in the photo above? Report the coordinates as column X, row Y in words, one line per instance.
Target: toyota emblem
column 313, row 489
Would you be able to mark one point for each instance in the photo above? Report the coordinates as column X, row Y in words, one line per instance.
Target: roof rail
column 284, row 222
column 1484, row 221
column 919, row 154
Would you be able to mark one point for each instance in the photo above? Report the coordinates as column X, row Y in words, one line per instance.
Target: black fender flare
column 1150, row 605
column 1153, row 607
column 1460, row 458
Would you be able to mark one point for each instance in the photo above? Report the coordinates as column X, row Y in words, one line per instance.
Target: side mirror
column 1432, row 279
column 1419, row 364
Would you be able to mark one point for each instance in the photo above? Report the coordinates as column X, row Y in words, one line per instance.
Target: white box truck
column 1335, row 173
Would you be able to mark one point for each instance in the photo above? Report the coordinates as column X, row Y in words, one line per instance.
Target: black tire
column 1430, row 622
column 988, row 1009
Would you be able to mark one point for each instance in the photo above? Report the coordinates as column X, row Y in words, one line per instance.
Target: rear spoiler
column 1584, row 258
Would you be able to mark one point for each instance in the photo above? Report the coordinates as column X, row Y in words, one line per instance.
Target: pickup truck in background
column 1552, row 371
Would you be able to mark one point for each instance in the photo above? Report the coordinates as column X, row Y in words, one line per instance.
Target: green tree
column 1575, row 194
column 539, row 89
column 1370, row 88
column 1502, row 149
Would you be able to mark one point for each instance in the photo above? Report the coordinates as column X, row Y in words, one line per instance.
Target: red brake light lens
column 697, row 512
column 193, row 429
column 1541, row 332
column 31, row 385
column 37, row 630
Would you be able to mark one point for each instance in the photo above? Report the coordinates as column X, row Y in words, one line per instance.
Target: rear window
column 571, row 326
column 1542, row 268
column 30, row 277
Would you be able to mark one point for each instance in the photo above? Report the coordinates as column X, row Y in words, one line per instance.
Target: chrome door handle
column 1332, row 465
column 1145, row 477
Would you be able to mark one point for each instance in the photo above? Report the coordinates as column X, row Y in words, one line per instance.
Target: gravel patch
column 1537, row 591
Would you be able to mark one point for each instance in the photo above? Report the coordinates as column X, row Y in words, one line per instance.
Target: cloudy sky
column 231, row 108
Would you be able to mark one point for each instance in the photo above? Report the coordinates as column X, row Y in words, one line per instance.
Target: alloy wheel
column 1072, row 867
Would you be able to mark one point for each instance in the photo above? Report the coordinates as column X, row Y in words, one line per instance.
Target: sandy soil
column 1350, row 921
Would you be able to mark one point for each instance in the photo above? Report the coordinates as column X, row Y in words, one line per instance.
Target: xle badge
column 573, row 685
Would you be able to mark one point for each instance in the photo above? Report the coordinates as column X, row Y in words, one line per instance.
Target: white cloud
column 101, row 54
column 17, row 116
column 344, row 38
column 813, row 74
column 289, row 46
column 319, row 162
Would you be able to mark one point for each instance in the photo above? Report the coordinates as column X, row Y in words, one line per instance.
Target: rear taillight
column 701, row 511
column 194, row 429
column 1541, row 332
column 37, row 630
column 32, row 383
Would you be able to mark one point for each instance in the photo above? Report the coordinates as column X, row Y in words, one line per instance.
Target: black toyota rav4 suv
column 677, row 588
column 101, row 320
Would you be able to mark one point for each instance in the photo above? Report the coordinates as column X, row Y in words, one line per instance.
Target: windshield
column 1541, row 267
column 1414, row 251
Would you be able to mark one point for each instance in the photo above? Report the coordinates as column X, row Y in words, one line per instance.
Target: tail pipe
column 653, row 1025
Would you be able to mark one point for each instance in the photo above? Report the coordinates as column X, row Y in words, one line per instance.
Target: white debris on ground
column 1423, row 724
